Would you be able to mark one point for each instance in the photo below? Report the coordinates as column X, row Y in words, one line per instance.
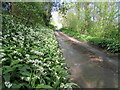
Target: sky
column 55, row 17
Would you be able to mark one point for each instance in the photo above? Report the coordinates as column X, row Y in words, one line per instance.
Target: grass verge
column 111, row 45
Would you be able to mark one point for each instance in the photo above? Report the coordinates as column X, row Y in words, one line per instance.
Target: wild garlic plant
column 31, row 57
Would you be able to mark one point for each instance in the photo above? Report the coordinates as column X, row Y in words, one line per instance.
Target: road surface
column 89, row 67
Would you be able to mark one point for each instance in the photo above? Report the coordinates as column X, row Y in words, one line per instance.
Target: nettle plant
column 31, row 57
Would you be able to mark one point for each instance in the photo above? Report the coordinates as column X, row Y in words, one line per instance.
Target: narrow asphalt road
column 89, row 67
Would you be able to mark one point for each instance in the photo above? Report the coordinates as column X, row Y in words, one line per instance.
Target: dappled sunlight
column 93, row 58
column 96, row 59
column 72, row 39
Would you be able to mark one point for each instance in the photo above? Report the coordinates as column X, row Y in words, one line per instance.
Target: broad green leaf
column 43, row 86
column 6, row 77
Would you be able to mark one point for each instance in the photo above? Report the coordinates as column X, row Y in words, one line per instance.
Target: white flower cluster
column 47, row 65
column 21, row 37
column 27, row 55
column 37, row 52
column 36, row 64
column 3, row 59
column 15, row 39
column 37, row 42
column 2, row 54
column 40, row 69
column 16, row 52
column 36, row 77
column 8, row 84
column 34, row 61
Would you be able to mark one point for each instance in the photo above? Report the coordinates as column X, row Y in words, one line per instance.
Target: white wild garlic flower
column 8, row 84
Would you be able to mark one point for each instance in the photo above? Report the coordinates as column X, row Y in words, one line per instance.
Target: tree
column 35, row 12
column 98, row 19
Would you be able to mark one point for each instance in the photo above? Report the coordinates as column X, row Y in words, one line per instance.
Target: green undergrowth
column 111, row 45
column 31, row 57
